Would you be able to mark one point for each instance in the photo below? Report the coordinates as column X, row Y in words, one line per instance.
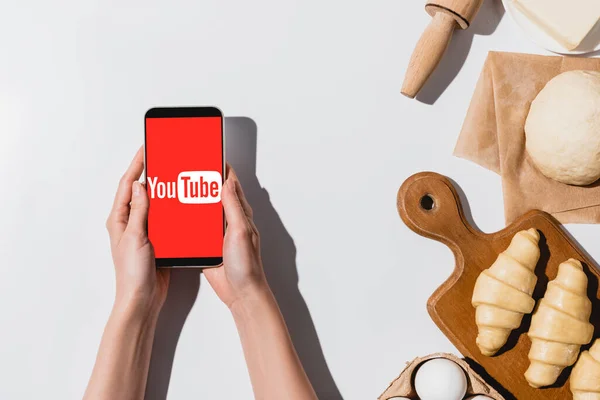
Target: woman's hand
column 141, row 287
column 121, row 368
column 242, row 273
column 274, row 367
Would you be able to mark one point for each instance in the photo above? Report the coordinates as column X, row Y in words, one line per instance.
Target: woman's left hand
column 140, row 285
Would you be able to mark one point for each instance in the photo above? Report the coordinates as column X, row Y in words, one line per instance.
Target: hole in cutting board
column 427, row 202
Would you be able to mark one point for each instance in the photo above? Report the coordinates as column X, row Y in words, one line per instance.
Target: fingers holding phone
column 242, row 272
column 139, row 285
column 189, row 202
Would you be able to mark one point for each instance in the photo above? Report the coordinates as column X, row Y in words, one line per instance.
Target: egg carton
column 403, row 385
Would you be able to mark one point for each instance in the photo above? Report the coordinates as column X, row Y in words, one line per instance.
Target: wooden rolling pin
column 447, row 15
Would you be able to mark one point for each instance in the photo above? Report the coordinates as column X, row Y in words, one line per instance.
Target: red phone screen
column 184, row 169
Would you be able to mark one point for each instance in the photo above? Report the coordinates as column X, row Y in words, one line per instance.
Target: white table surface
column 323, row 140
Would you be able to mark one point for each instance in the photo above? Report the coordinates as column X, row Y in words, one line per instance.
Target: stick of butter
column 567, row 21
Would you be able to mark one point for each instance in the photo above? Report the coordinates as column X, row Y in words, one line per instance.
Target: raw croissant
column 585, row 377
column 560, row 325
column 502, row 293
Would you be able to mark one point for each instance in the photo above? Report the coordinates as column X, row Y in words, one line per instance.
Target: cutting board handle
column 429, row 205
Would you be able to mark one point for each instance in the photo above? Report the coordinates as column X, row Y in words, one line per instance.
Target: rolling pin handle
column 428, row 52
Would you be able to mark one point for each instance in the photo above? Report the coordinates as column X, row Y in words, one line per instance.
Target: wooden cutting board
column 429, row 205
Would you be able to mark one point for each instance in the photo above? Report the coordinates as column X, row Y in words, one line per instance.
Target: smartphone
column 185, row 164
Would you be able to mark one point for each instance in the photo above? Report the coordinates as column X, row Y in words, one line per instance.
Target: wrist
column 132, row 308
column 254, row 301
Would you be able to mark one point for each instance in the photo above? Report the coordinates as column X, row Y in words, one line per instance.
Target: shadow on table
column 279, row 259
column 183, row 290
column 464, row 203
column 485, row 23
column 279, row 256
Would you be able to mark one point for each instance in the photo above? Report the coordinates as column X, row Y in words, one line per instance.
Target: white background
column 318, row 86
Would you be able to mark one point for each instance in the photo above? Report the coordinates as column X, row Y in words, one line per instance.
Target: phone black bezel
column 188, row 112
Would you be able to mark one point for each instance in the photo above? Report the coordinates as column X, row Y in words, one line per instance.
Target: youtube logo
column 191, row 187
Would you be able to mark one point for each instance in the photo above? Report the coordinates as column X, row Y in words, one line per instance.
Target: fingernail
column 136, row 188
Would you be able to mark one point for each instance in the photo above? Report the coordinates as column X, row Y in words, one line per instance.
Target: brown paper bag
column 493, row 136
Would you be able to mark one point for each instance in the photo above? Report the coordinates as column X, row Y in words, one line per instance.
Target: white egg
column 398, row 398
column 479, row 397
column 440, row 379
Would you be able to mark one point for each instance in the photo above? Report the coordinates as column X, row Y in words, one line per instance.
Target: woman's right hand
column 274, row 367
column 241, row 275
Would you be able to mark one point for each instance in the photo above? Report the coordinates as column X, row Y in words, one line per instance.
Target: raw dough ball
column 563, row 128
column 479, row 397
column 440, row 379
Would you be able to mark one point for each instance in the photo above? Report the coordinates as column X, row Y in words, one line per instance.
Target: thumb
column 138, row 216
